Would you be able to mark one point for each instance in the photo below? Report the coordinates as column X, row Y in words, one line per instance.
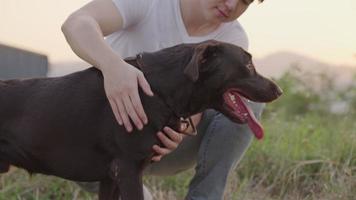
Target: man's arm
column 85, row 30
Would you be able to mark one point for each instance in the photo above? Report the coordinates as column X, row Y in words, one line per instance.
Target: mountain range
column 273, row 65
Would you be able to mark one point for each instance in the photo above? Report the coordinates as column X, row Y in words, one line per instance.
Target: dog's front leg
column 4, row 167
column 108, row 190
column 124, row 180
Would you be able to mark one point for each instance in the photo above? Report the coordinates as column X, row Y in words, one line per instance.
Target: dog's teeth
column 232, row 97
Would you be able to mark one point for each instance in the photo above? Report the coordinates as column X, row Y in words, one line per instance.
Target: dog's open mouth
column 241, row 112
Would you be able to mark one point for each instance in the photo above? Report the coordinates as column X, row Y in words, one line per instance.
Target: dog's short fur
column 65, row 126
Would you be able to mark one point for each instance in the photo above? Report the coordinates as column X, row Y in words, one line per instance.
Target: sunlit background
column 309, row 150
column 321, row 30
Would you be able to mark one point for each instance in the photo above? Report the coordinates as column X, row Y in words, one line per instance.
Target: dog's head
column 226, row 71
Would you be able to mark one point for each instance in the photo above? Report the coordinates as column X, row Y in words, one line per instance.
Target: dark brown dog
column 65, row 127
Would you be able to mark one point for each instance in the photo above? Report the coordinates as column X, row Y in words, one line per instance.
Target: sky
column 321, row 29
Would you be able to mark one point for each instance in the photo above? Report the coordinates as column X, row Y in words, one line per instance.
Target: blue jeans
column 215, row 152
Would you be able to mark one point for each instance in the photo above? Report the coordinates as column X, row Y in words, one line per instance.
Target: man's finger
column 167, row 142
column 123, row 114
column 161, row 151
column 132, row 112
column 156, row 158
column 137, row 104
column 115, row 111
column 173, row 135
column 144, row 84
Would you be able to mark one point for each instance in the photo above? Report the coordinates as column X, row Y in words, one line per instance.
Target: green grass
column 306, row 154
column 307, row 157
column 18, row 184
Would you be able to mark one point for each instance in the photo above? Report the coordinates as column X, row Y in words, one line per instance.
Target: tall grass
column 307, row 153
column 309, row 156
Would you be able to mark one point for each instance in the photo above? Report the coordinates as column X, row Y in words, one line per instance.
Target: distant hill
column 273, row 65
column 276, row 64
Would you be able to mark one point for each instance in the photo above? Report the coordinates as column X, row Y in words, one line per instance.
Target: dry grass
column 306, row 155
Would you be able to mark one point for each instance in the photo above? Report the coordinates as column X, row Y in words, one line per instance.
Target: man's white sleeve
column 133, row 11
column 240, row 38
column 235, row 35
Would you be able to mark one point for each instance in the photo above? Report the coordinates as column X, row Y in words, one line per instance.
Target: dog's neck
column 165, row 75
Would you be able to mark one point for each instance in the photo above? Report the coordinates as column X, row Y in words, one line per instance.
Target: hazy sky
column 322, row 29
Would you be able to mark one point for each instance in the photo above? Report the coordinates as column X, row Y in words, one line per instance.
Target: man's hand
column 121, row 87
column 171, row 139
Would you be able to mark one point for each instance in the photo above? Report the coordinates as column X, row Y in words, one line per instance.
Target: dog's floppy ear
column 202, row 52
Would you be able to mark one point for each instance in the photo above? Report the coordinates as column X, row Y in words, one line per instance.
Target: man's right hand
column 121, row 88
column 85, row 30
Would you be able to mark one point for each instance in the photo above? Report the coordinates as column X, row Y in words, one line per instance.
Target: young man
column 134, row 26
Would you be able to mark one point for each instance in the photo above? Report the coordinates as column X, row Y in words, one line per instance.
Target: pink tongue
column 246, row 114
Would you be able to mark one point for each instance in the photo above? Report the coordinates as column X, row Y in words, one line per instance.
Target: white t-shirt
column 151, row 25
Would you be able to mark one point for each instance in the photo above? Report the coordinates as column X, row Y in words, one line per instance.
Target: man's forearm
column 85, row 38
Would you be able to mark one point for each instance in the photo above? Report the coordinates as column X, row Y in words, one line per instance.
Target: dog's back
column 38, row 117
column 65, row 126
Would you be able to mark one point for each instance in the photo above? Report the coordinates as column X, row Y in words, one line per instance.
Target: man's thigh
column 185, row 156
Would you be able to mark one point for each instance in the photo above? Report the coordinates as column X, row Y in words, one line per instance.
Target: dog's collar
column 138, row 59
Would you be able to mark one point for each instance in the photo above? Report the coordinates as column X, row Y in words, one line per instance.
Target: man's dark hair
column 246, row 1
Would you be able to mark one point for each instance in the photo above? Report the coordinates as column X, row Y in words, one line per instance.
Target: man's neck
column 194, row 19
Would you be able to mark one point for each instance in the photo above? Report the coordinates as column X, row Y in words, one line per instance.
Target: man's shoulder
column 234, row 33
column 233, row 30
